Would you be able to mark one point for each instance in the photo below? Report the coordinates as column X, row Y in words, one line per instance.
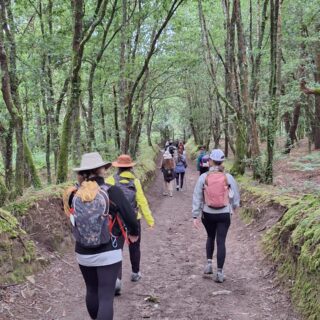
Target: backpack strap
column 122, row 227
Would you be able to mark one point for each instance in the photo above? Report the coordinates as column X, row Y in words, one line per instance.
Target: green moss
column 192, row 149
column 146, row 164
column 8, row 223
column 3, row 193
column 293, row 244
column 17, row 251
column 30, row 197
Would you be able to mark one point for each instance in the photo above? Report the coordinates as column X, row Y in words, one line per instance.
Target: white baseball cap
column 217, row 155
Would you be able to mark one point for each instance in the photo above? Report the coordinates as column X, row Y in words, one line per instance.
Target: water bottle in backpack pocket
column 216, row 190
column 91, row 215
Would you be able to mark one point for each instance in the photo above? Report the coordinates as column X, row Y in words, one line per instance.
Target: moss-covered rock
column 293, row 243
column 17, row 250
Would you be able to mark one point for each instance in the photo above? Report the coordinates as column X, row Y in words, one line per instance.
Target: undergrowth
column 293, row 243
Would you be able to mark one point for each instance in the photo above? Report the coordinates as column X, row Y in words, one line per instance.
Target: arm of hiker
column 235, row 201
column 143, row 204
column 125, row 210
column 197, row 202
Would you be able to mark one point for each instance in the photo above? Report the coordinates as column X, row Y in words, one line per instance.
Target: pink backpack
column 216, row 190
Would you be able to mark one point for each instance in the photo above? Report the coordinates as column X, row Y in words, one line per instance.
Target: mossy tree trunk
column 71, row 125
column 275, row 72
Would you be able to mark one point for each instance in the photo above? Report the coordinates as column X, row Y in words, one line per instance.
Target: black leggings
column 100, row 283
column 135, row 254
column 180, row 176
column 217, row 226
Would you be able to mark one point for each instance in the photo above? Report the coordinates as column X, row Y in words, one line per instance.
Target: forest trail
column 173, row 258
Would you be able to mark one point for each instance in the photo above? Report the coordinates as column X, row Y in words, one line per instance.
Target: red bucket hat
column 124, row 161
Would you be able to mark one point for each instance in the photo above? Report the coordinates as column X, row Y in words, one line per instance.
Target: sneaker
column 117, row 291
column 208, row 269
column 171, row 194
column 219, row 277
column 181, row 189
column 177, row 188
column 165, row 194
column 135, row 277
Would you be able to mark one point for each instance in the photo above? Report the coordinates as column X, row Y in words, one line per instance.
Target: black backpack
column 168, row 174
column 129, row 189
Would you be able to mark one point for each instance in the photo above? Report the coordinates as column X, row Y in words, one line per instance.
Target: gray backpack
column 129, row 190
column 91, row 220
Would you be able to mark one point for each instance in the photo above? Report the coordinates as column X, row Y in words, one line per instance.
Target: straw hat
column 123, row 161
column 92, row 160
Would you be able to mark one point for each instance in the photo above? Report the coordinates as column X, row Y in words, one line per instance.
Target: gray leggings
column 100, row 283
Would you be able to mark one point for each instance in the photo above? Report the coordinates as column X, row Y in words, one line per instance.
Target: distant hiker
column 215, row 197
column 168, row 170
column 181, row 165
column 181, row 147
column 203, row 161
column 131, row 187
column 171, row 148
column 97, row 213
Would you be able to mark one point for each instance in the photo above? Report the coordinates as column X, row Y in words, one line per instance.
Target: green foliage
column 30, row 197
column 293, row 243
column 146, row 162
column 3, row 193
column 192, row 149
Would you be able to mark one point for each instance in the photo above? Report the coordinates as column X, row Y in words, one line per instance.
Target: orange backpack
column 216, row 190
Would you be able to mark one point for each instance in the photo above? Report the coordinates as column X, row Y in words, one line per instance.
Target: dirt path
column 173, row 257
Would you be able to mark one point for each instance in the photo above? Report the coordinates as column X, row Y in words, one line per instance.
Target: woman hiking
column 131, row 187
column 216, row 196
column 203, row 161
column 96, row 213
column 168, row 170
column 180, row 170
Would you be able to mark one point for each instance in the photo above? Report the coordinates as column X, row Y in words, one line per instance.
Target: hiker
column 97, row 213
column 125, row 179
column 216, row 196
column 180, row 170
column 168, row 170
column 181, row 145
column 203, row 161
column 171, row 148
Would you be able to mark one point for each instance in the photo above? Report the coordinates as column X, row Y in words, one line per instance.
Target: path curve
column 173, row 258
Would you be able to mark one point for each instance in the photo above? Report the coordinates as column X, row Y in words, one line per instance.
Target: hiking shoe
column 208, row 269
column 135, row 277
column 219, row 277
column 117, row 291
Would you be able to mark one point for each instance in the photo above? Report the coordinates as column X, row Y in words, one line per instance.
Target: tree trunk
column 78, row 43
column 116, row 120
column 317, row 96
column 150, row 116
column 275, row 35
column 102, row 119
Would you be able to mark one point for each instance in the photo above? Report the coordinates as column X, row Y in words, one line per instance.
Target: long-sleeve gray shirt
column 198, row 205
